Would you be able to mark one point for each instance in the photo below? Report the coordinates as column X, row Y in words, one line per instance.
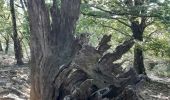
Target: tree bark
column 1, row 49
column 51, row 45
column 7, row 44
column 17, row 44
column 61, row 68
column 138, row 30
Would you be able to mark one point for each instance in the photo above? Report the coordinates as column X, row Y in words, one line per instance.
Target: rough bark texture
column 64, row 69
column 51, row 44
column 17, row 44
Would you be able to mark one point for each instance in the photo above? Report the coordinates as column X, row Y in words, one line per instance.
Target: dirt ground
column 15, row 83
column 14, row 80
column 154, row 90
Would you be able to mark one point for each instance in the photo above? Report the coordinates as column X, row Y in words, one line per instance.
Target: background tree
column 17, row 43
column 5, row 26
column 136, row 15
column 7, row 43
column 1, row 49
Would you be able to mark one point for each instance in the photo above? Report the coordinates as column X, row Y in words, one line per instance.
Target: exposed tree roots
column 93, row 75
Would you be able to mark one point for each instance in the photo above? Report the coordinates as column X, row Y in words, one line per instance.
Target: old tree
column 63, row 67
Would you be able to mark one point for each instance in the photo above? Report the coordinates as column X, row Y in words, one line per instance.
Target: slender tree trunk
column 7, row 44
column 7, row 47
column 17, row 44
column 138, row 30
column 1, row 49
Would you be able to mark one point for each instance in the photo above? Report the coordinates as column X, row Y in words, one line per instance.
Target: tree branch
column 123, row 33
column 117, row 54
column 103, row 45
column 106, row 17
column 122, row 22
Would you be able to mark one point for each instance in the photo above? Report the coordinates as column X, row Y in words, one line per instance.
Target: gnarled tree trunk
column 52, row 45
column 63, row 69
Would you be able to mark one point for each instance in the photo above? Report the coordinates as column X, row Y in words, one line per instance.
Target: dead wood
column 90, row 76
column 103, row 45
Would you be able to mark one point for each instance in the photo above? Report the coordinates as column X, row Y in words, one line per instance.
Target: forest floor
column 15, row 82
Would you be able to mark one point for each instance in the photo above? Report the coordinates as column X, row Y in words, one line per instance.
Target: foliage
column 5, row 21
column 114, row 16
column 159, row 47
